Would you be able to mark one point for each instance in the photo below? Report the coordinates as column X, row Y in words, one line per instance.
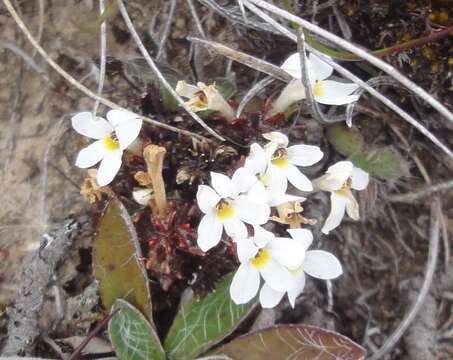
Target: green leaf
column 132, row 336
column 303, row 342
column 381, row 162
column 225, row 87
column 116, row 261
column 200, row 324
column 346, row 141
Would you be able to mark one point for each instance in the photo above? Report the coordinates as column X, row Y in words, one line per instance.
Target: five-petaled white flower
column 113, row 137
column 339, row 179
column 271, row 182
column 205, row 97
column 324, row 91
column 267, row 256
column 286, row 159
column 226, row 206
column 316, row 263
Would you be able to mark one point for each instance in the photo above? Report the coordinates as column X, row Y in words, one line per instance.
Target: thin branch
column 428, row 277
column 102, row 57
column 358, row 81
column 41, row 23
column 196, row 18
column 80, row 86
column 157, row 72
column 418, row 195
column 255, row 90
column 387, row 68
column 166, row 32
column 24, row 56
column 245, row 59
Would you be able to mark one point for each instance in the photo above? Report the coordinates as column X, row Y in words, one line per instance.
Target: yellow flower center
column 110, row 143
column 279, row 159
column 261, row 259
column 224, row 210
column 318, row 89
column 345, row 190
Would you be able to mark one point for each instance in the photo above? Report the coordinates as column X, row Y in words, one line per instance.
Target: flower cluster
column 247, row 198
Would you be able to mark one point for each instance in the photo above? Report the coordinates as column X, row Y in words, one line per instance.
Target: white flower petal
column 304, row 155
column 280, row 199
column 142, row 195
column 337, row 210
column 269, row 297
column 235, row 228
column 245, row 284
column 277, row 276
column 128, row 131
column 261, row 236
column 292, row 66
column 318, row 69
column 109, row 167
column 246, row 249
column 337, row 93
column 90, row 155
column 303, row 236
column 207, row 199
column 251, row 212
column 185, row 90
column 209, row 232
column 297, row 179
column 257, row 160
column 224, row 186
column 258, row 193
column 322, row 265
column 360, row 179
column 299, row 280
column 116, row 117
column 243, row 179
column 95, row 128
column 277, row 138
column 275, row 180
column 287, row 252
column 352, row 207
column 335, row 177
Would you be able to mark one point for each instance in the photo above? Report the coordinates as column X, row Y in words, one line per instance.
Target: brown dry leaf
column 90, row 189
column 154, row 158
column 290, row 213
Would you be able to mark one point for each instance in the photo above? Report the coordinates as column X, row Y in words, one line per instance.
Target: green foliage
column 383, row 162
column 345, row 141
column 200, row 324
column 131, row 335
column 292, row 342
column 116, row 261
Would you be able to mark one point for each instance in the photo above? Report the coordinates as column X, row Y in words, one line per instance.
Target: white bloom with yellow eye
column 271, row 183
column 324, row 91
column 227, row 207
column 339, row 179
column 316, row 263
column 285, row 159
column 113, row 136
column 205, row 97
column 266, row 256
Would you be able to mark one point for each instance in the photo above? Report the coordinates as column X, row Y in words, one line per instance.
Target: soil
column 41, row 186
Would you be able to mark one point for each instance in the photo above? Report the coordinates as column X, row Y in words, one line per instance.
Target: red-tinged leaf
column 117, row 263
column 295, row 342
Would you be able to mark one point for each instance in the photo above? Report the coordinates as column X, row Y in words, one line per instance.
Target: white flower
column 264, row 255
column 142, row 195
column 113, row 137
column 205, row 97
column 293, row 92
column 316, row 263
column 271, row 183
column 327, row 92
column 225, row 206
column 339, row 179
column 285, row 159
